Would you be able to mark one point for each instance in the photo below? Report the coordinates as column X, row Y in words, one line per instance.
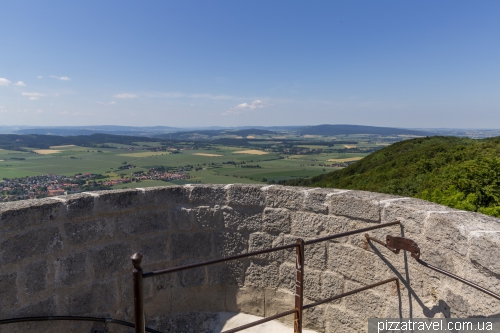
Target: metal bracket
column 396, row 244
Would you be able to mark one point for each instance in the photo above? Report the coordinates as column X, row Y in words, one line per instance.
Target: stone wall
column 70, row 255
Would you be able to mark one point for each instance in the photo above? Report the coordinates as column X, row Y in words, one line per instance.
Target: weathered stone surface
column 191, row 246
column 358, row 205
column 183, row 217
column 79, row 206
column 316, row 201
column 314, row 225
column 261, row 241
column 284, row 197
column 261, row 274
column 155, row 248
column 96, row 299
column 206, row 217
column 36, row 276
column 449, row 230
column 198, row 299
column 341, row 320
column 107, row 260
column 139, row 223
column 192, row 322
column 193, row 277
column 43, row 308
column 167, row 195
column 332, row 284
column 229, row 244
column 245, row 195
column 227, row 273
column 70, row 270
column 245, row 299
column 207, row 194
column 276, row 220
column 19, row 215
column 31, row 243
column 243, row 219
column 89, row 231
column 118, row 200
column 8, row 287
column 483, row 245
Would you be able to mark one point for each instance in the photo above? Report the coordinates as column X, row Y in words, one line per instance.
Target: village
column 42, row 186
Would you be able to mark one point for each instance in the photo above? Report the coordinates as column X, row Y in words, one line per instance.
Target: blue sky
column 234, row 63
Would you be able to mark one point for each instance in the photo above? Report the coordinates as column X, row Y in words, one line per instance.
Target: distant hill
column 357, row 129
column 104, row 129
column 16, row 142
column 461, row 173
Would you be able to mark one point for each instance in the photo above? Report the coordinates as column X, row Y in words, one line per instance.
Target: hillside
column 458, row 172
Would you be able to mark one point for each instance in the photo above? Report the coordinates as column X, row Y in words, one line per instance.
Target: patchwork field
column 262, row 161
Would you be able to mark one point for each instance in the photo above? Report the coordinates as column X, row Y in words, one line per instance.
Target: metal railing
column 139, row 276
column 396, row 244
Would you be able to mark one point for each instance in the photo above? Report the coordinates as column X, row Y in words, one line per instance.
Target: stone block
column 226, row 273
column 32, row 243
column 167, row 195
column 315, row 255
column 316, row 201
column 118, row 200
column 483, row 250
column 262, row 274
column 98, row 299
column 206, row 217
column 262, row 241
column 314, row 318
column 191, row 246
column 243, row 218
column 190, row 322
column 287, row 277
column 210, row 299
column 42, row 308
column 229, row 244
column 246, row 299
column 154, row 248
column 277, row 301
column 449, row 230
column 368, row 303
column 19, row 215
column 357, row 265
column 284, row 197
column 79, row 206
column 276, row 220
column 194, row 277
column 111, row 259
column 90, row 231
column 143, row 222
column 207, row 195
column 8, row 286
column 183, row 217
column 331, row 285
column 315, row 225
column 341, row 320
column 36, row 277
column 70, row 270
column 245, row 195
column 358, row 205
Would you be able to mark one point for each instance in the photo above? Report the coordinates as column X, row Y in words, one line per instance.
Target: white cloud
column 243, row 107
column 39, row 111
column 33, row 96
column 64, row 112
column 20, row 84
column 62, row 78
column 110, row 103
column 39, row 77
column 3, row 110
column 4, row 82
column 125, row 96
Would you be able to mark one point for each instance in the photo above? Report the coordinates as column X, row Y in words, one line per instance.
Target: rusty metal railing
column 139, row 276
column 396, row 244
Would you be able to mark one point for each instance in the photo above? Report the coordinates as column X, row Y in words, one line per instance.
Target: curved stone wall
column 70, row 255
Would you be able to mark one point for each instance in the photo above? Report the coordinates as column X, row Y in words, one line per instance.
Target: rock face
column 70, row 255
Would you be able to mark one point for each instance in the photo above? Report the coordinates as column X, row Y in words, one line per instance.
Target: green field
column 211, row 164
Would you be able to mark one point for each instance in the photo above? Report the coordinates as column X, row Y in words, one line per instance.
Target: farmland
column 247, row 161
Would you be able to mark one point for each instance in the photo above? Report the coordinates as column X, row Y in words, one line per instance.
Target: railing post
column 140, row 325
column 299, row 286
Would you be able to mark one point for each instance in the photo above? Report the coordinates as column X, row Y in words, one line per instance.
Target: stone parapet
column 69, row 255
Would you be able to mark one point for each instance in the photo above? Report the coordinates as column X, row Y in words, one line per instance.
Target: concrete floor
column 230, row 320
